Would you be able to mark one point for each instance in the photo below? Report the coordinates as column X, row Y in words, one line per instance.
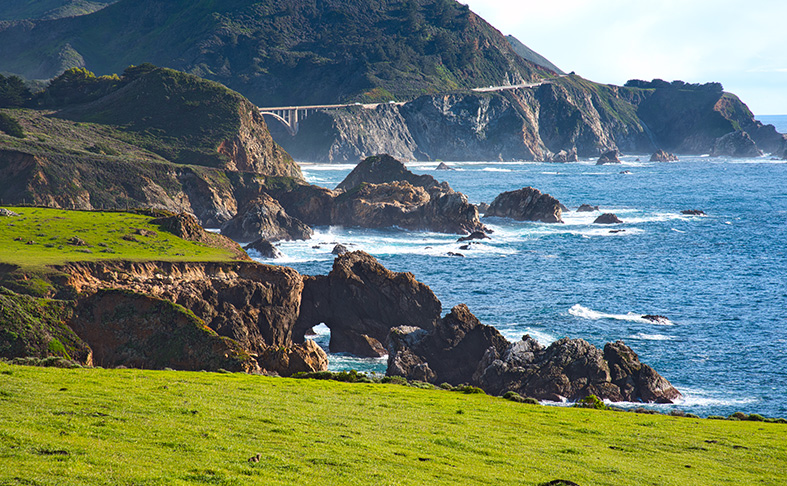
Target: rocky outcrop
column 587, row 208
column 360, row 301
column 693, row 212
column 443, row 166
column 662, row 156
column 572, row 369
column 381, row 169
column 609, row 157
column 565, row 156
column 475, row 235
column 306, row 357
column 738, row 144
column 264, row 247
column 7, row 213
column 339, row 249
column 128, row 329
column 462, row 350
column 607, row 218
column 526, row 204
column 265, row 218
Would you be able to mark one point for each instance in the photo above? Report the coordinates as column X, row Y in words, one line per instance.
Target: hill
column 280, row 52
column 49, row 9
column 165, row 427
column 531, row 55
column 152, row 137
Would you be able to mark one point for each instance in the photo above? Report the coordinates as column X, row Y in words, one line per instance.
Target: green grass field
column 132, row 427
column 40, row 237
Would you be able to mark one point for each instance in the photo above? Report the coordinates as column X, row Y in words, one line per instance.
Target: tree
column 13, row 92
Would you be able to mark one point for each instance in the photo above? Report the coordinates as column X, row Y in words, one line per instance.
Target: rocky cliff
column 568, row 115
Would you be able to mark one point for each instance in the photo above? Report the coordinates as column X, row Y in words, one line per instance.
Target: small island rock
column 475, row 235
column 737, row 144
column 339, row 249
column 662, row 156
column 587, row 208
column 610, row 157
column 264, row 247
column 444, row 166
column 607, row 218
column 693, row 212
column 526, row 204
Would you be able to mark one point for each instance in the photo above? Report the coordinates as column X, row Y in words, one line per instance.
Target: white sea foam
column 651, row 337
column 677, row 230
column 514, row 332
column 704, row 398
column 495, row 169
column 578, row 310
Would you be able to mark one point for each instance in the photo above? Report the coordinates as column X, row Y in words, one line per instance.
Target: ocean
column 720, row 279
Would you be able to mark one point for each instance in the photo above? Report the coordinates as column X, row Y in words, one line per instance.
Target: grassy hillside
column 49, row 9
column 39, row 237
column 283, row 51
column 96, row 426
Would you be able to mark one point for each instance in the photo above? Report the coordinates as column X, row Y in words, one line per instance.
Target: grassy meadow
column 135, row 427
column 41, row 236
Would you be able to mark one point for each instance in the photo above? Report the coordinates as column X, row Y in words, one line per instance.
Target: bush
column 738, row 416
column 591, row 401
column 395, row 380
column 469, row 389
column 755, row 417
column 9, row 125
column 716, row 417
column 13, row 92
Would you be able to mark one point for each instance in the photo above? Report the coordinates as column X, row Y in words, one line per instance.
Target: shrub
column 469, row 389
column 591, row 401
column 738, row 416
column 9, row 125
column 716, row 417
column 13, row 92
column 396, row 380
column 755, row 417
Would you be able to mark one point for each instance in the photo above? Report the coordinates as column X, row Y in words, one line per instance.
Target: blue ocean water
column 721, row 279
column 778, row 121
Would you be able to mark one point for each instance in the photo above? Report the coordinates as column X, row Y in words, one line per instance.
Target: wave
column 578, row 310
column 651, row 337
column 495, row 169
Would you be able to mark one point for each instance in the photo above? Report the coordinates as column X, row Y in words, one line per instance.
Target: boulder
column 339, row 249
column 526, row 204
column 736, row 144
column 77, row 241
column 307, row 357
column 455, row 254
column 444, row 166
column 7, row 212
column 484, row 207
column 610, row 157
column 564, row 156
column 587, row 208
column 264, row 247
column 693, row 212
column 265, row 218
column 607, row 218
column 662, row 156
column 475, row 235
column 361, row 301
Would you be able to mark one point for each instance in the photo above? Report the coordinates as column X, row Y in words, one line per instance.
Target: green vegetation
column 280, row 52
column 10, row 126
column 95, row 426
column 39, row 237
column 13, row 92
column 49, row 9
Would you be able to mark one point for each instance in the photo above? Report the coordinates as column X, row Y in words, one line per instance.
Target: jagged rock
column 380, row 192
column 693, row 212
column 610, row 157
column 264, row 247
column 7, row 212
column 360, row 301
column 265, row 218
column 526, row 204
column 455, row 254
column 380, row 169
column 625, row 172
column 129, row 329
column 339, row 249
column 186, row 226
column 607, row 218
column 662, row 156
column 656, row 318
column 465, row 247
column 475, row 235
column 449, row 353
column 483, row 207
column 736, row 144
column 443, row 166
column 587, row 208
column 565, row 156
column 286, row 361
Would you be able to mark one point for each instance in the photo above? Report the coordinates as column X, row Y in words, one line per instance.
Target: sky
column 741, row 44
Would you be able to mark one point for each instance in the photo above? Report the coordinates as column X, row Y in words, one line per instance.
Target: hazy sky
column 742, row 44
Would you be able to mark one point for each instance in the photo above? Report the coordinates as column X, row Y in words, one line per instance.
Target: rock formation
column 738, row 144
column 587, row 208
column 443, row 166
column 461, row 350
column 526, row 204
column 693, row 212
column 607, row 218
column 265, row 218
column 609, row 157
column 662, row 156
column 264, row 247
column 360, row 301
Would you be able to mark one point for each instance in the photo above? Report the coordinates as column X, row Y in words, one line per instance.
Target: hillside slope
column 280, row 52
column 49, row 9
